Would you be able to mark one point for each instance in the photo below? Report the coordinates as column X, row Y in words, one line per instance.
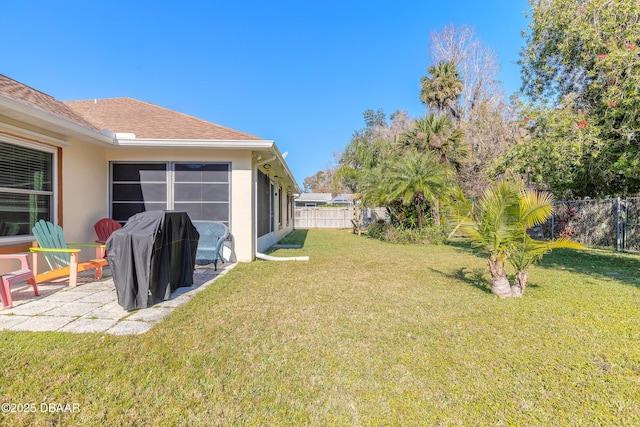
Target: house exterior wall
column 279, row 206
column 82, row 186
column 242, row 197
column 85, row 186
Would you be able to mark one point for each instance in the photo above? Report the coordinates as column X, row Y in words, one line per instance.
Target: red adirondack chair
column 104, row 228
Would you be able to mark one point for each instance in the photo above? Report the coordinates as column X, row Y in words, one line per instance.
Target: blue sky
column 298, row 72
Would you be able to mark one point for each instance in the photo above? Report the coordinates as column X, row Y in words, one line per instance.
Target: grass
column 365, row 333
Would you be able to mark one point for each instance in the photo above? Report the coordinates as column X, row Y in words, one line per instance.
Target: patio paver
column 92, row 306
column 43, row 323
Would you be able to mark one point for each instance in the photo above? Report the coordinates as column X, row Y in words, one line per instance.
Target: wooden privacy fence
column 310, row 217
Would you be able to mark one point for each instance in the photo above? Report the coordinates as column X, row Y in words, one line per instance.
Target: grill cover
column 151, row 256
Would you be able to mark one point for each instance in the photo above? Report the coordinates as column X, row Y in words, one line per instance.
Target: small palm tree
column 492, row 226
column 534, row 208
column 415, row 178
column 499, row 225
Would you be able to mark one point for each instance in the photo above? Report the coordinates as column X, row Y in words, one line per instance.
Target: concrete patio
column 92, row 306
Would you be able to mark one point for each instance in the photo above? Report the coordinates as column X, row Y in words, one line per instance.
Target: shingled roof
column 24, row 94
column 149, row 121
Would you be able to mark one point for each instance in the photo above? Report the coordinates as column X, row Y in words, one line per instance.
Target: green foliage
column 499, row 222
column 494, row 221
column 555, row 154
column 429, row 235
column 439, row 134
column 414, row 168
column 412, row 178
column 442, row 89
column 581, row 70
column 534, row 208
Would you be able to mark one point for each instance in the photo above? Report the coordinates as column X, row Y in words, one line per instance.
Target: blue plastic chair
column 212, row 236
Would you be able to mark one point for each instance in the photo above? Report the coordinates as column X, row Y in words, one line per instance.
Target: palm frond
column 535, row 207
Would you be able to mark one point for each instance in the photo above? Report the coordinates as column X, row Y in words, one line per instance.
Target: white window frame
column 27, row 238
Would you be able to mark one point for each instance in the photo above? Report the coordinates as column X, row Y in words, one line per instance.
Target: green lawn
column 365, row 333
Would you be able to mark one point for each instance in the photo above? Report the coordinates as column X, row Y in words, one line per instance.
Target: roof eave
column 249, row 145
column 45, row 120
column 195, row 143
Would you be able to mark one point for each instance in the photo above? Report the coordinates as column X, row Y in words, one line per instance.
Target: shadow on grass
column 464, row 245
column 621, row 267
column 296, row 237
column 473, row 277
column 601, row 263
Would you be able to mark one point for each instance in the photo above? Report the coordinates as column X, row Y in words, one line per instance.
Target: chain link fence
column 612, row 223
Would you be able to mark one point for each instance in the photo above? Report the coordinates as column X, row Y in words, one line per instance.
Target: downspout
column 266, row 257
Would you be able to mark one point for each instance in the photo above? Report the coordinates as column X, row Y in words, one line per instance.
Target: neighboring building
column 312, row 200
column 75, row 162
column 345, row 200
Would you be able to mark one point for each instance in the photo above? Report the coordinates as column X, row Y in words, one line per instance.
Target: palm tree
column 437, row 132
column 534, row 208
column 442, row 90
column 415, row 178
column 499, row 225
column 491, row 227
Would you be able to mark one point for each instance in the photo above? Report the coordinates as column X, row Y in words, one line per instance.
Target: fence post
column 618, row 245
column 553, row 225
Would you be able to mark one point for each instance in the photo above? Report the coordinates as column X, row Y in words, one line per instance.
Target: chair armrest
column 88, row 245
column 24, row 263
column 68, row 250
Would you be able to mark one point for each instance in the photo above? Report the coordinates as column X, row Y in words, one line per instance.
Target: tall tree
column 323, row 182
column 488, row 120
column 441, row 90
column 476, row 63
column 584, row 57
column 438, row 133
column 368, row 147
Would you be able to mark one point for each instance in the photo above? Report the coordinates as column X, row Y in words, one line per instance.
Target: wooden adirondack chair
column 104, row 228
column 62, row 260
column 16, row 276
column 212, row 236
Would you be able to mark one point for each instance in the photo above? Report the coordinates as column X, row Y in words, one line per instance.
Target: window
column 265, row 205
column 288, row 209
column 137, row 187
column 26, row 187
column 200, row 189
column 280, row 207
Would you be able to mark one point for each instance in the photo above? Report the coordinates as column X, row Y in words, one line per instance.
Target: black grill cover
column 151, row 256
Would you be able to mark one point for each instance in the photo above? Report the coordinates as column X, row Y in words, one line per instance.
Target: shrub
column 395, row 234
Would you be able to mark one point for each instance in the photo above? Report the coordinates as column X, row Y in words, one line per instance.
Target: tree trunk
column 520, row 283
column 436, row 212
column 499, row 282
column 420, row 214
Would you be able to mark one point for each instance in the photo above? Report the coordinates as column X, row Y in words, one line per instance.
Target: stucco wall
column 85, row 184
column 241, row 186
